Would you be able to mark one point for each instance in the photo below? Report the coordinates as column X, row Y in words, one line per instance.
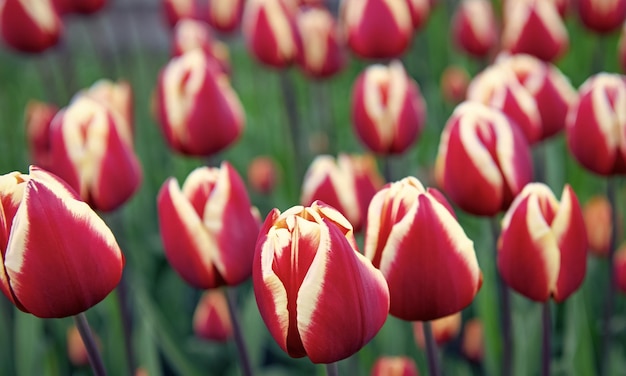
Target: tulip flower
column 47, row 232
column 347, row 184
column 394, row 366
column 176, row 10
column 474, row 27
column 534, row 27
column 85, row 6
column 269, row 29
column 28, row 26
column 454, row 82
column 118, row 96
column 483, row 160
column 211, row 320
column 191, row 34
column 208, row 228
column 318, row 296
column 91, row 149
column 199, row 112
column 262, row 174
column 321, row 54
column 596, row 124
column 602, row 16
column 38, row 117
column 620, row 268
column 444, row 329
column 388, row 110
column 225, row 15
column 473, row 346
column 377, row 29
column 597, row 215
column 542, row 250
column 420, row 10
column 413, row 237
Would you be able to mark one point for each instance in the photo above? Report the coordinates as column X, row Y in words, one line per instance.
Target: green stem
column 288, row 90
column 239, row 340
column 431, row 350
column 505, row 309
column 546, row 343
column 332, row 369
column 90, row 344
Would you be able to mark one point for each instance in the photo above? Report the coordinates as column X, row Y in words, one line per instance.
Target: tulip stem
column 387, row 169
column 231, row 298
column 288, row 90
column 431, row 350
column 127, row 322
column 546, row 339
column 90, row 344
column 332, row 369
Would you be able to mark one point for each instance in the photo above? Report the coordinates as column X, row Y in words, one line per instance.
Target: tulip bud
column 597, row 215
column 534, row 27
column 317, row 294
column 377, row 29
column 262, row 174
column 444, row 330
column 473, row 346
column 38, row 118
column 483, row 160
column 420, row 10
column 542, row 250
column 47, row 232
column 321, row 55
column 191, row 34
column 394, row 366
column 347, row 184
column 602, row 16
column 29, row 26
column 474, row 27
column 208, row 229
column 211, row 321
column 413, row 237
column 176, row 10
column 76, row 350
column 270, row 31
column 225, row 15
column 388, row 110
column 118, row 96
column 619, row 267
column 199, row 112
column 454, row 82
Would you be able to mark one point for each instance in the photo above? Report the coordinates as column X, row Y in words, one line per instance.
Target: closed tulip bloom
column 208, row 228
column 420, row 10
column 321, row 55
column 225, row 15
column 29, row 26
column 269, row 29
column 619, row 267
column 263, row 174
column 444, row 330
column 176, row 10
column 211, row 320
column 118, row 96
column 602, row 16
column 474, row 27
column 388, row 110
column 84, row 6
column 483, row 160
column 38, row 117
column 91, row 148
column 413, row 237
column 534, row 27
column 394, row 366
column 347, row 184
column 192, row 34
column 473, row 344
column 377, row 29
column 59, row 258
column 542, row 250
column 199, row 112
column 597, row 215
column 454, row 83
column 317, row 294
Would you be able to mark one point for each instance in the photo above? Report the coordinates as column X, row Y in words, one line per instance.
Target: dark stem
column 323, row 105
column 599, row 55
column 431, row 350
column 127, row 324
column 66, row 67
column 231, row 297
column 48, row 83
column 539, row 158
column 8, row 315
column 90, row 344
column 288, row 90
column 546, row 342
column 332, row 369
column 387, row 169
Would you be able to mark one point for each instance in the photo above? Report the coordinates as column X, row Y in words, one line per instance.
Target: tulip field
column 310, row 187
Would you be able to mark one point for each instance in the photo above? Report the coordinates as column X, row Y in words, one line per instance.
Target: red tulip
column 117, row 96
column 388, row 110
column 473, row 346
column 347, row 184
column 542, row 250
column 597, row 215
column 454, row 82
column 208, row 228
column 199, row 112
column 483, row 160
column 602, row 16
column 619, row 268
column 46, row 233
column 474, row 27
column 444, row 330
column 377, row 29
column 28, row 26
column 91, row 149
column 211, row 320
column 596, row 125
column 85, row 6
column 317, row 294
column 394, row 366
column 413, row 237
column 263, row 174
column 38, row 118
column 191, row 34
column 176, row 10
column 225, row 15
column 420, row 10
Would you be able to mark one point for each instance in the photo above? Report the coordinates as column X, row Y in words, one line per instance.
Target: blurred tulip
column 394, row 366
column 269, row 29
column 191, row 34
column 413, row 237
column 321, row 55
column 225, row 15
column 347, row 184
column 597, row 215
column 454, row 82
column 473, row 346
column 602, row 16
column 534, row 27
column 619, row 266
column 76, row 350
column 317, row 294
column 262, row 174
column 388, row 110
column 211, row 320
column 208, row 229
column 38, row 117
column 199, row 112
column 483, row 160
column 445, row 329
column 29, row 26
column 596, row 125
column 420, row 10
column 118, row 96
column 474, row 27
column 84, row 6
column 46, row 232
column 176, row 10
column 562, row 6
column 377, row 29
column 542, row 250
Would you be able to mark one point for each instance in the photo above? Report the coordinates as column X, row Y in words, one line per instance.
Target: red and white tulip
column 225, row 15
column 394, row 366
column 176, row 10
column 30, row 26
column 211, row 320
column 192, row 34
column 602, row 16
column 474, row 28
